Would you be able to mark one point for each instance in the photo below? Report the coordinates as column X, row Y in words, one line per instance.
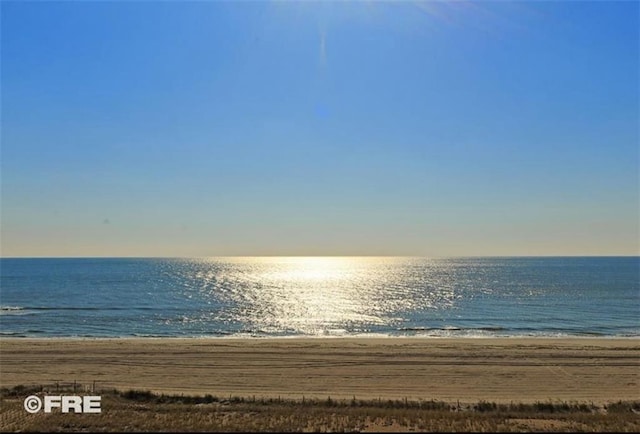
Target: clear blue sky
column 320, row 128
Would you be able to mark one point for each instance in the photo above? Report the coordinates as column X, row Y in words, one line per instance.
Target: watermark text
column 66, row 404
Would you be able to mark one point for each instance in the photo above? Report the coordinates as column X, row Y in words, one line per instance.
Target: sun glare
column 314, row 268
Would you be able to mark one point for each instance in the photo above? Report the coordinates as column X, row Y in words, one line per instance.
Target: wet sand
column 468, row 370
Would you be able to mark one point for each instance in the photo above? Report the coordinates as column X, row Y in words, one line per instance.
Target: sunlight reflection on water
column 342, row 296
column 322, row 295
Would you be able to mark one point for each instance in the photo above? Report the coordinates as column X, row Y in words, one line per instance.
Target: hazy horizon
column 417, row 128
column 322, row 257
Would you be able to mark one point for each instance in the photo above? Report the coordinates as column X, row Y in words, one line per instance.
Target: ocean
column 320, row 297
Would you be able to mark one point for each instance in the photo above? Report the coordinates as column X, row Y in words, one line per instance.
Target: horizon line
column 329, row 256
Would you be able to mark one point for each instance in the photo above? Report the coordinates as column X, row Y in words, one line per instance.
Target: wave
column 433, row 333
column 85, row 308
column 450, row 328
column 15, row 311
column 11, row 308
column 149, row 335
column 18, row 334
column 22, row 333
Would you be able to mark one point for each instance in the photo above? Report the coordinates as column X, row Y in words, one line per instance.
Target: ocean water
column 297, row 296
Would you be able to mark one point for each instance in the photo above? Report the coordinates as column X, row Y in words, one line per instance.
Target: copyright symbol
column 32, row 404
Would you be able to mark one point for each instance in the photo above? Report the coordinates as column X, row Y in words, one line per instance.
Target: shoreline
column 597, row 370
column 381, row 337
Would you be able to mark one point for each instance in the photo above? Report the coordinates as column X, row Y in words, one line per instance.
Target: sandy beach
column 500, row 370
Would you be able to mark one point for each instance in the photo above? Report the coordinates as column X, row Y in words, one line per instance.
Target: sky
column 216, row 128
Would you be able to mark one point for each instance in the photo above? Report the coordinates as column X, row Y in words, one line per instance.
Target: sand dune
column 501, row 370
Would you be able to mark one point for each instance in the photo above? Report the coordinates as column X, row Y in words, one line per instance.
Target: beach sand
column 468, row 370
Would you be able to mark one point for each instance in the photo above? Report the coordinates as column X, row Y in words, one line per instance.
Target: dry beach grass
column 144, row 411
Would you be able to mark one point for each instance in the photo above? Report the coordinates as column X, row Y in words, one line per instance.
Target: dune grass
column 136, row 410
